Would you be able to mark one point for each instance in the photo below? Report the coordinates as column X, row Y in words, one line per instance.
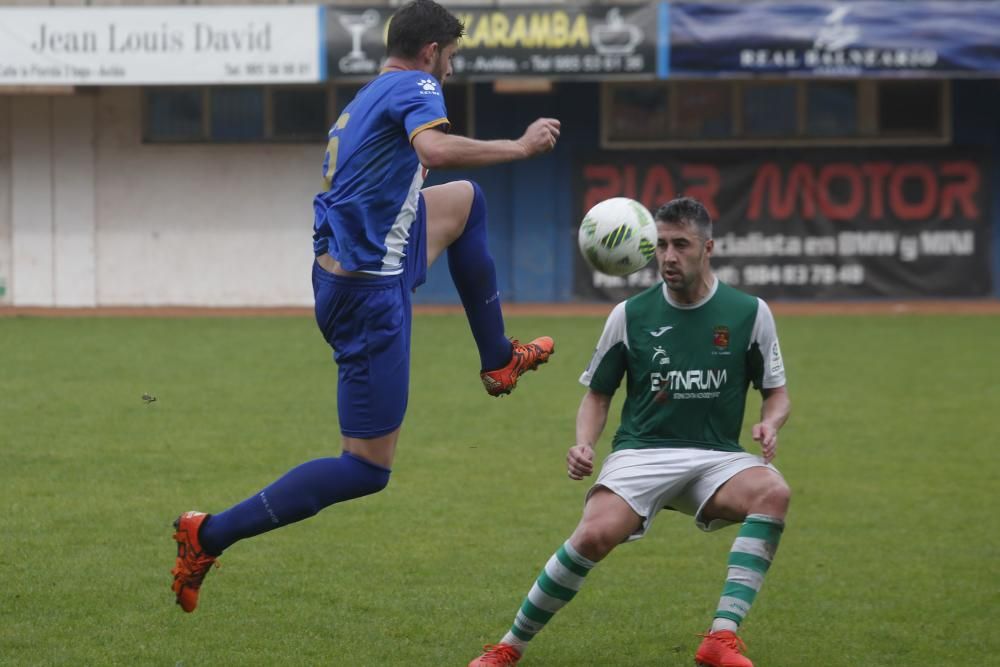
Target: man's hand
column 580, row 461
column 540, row 137
column 767, row 436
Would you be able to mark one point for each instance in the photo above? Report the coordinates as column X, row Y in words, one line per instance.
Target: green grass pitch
column 891, row 555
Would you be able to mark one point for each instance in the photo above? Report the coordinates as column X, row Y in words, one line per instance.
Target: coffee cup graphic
column 615, row 37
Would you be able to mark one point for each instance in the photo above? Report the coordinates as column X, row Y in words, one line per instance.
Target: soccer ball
column 617, row 236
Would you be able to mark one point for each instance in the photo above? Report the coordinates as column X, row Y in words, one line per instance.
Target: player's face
column 682, row 255
column 441, row 66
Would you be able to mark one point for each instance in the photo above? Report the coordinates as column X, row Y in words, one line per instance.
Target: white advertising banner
column 161, row 45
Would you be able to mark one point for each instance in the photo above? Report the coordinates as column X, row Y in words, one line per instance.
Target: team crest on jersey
column 720, row 337
column 428, row 87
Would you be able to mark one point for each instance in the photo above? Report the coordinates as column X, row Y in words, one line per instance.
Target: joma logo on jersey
column 687, row 380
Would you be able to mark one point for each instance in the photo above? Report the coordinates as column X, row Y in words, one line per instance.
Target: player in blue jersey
column 375, row 233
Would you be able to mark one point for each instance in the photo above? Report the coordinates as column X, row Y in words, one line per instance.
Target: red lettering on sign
column 657, row 187
column 876, row 173
column 628, row 182
column 603, row 182
column 836, row 191
column 928, row 191
column 856, row 197
column 702, row 181
column 654, row 186
column 912, row 191
column 962, row 193
column 782, row 205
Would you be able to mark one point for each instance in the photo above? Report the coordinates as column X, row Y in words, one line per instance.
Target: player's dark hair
column 418, row 23
column 686, row 210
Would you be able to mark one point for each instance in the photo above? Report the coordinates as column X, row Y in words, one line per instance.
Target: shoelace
column 526, row 354
column 499, row 654
column 195, row 569
column 732, row 641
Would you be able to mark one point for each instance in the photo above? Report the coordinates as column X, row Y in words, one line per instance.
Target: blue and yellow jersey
column 373, row 174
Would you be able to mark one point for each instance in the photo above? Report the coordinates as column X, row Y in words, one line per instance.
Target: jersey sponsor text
column 704, row 380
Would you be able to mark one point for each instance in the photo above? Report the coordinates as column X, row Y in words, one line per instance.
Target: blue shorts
column 367, row 322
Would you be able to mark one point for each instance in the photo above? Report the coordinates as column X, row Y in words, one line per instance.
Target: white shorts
column 671, row 478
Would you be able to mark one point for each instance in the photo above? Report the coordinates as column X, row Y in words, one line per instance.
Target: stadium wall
column 532, row 230
column 977, row 108
column 200, row 224
column 89, row 215
column 95, row 217
column 6, row 234
column 546, row 239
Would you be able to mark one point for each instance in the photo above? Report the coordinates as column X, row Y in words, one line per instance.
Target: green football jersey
column 687, row 368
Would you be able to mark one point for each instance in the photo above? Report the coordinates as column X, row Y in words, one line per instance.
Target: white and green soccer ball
column 617, row 236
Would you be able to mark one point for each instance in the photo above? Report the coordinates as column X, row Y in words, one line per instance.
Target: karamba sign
column 557, row 41
column 556, row 29
column 833, row 224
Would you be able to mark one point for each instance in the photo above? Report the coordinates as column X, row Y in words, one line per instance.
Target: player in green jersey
column 689, row 349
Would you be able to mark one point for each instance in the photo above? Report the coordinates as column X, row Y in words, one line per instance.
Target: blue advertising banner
column 865, row 38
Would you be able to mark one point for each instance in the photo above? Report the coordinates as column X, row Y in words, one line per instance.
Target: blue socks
column 299, row 494
column 475, row 277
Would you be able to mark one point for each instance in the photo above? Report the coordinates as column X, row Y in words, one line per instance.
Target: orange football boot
column 525, row 358
column 192, row 562
column 497, row 655
column 722, row 649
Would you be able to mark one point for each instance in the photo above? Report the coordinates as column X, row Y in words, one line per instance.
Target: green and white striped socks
column 556, row 585
column 751, row 556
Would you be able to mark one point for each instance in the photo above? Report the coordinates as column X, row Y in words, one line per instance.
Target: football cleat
column 497, row 655
column 524, row 358
column 722, row 649
column 192, row 562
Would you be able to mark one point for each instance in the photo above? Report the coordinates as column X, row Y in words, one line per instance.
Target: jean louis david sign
column 160, row 45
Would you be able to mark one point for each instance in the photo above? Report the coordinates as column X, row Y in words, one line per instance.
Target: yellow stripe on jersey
column 427, row 126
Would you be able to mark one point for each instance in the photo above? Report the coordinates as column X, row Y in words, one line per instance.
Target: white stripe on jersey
column 399, row 233
column 765, row 334
column 615, row 331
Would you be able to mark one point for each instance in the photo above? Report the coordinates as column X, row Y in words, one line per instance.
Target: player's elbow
column 598, row 399
column 435, row 157
column 433, row 149
column 786, row 406
column 778, row 396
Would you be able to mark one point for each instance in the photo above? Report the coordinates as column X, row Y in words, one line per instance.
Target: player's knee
column 477, row 206
column 774, row 497
column 477, row 192
column 376, row 481
column 594, row 540
column 457, row 209
column 367, row 477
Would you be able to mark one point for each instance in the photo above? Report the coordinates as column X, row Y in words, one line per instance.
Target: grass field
column 891, row 556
